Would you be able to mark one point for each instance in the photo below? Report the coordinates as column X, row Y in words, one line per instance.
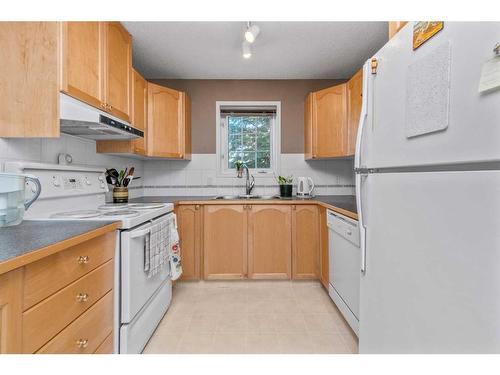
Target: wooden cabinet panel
column 107, row 346
column 11, row 307
column 86, row 333
column 329, row 120
column 46, row 276
column 225, row 241
column 29, row 82
column 308, row 126
column 189, row 220
column 83, row 61
column 164, row 122
column 323, row 243
column 139, row 120
column 395, row 26
column 354, row 100
column 269, row 242
column 305, row 242
column 118, row 87
column 39, row 325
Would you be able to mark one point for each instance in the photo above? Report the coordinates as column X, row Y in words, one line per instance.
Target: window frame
column 222, row 134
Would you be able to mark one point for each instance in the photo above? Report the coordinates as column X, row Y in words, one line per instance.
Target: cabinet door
column 29, row 79
column 11, row 294
column 354, row 99
column 189, row 226
column 305, row 241
column 83, row 61
column 329, row 122
column 308, row 126
column 165, row 114
column 323, row 244
column 269, row 242
column 224, row 241
column 118, row 49
column 139, row 110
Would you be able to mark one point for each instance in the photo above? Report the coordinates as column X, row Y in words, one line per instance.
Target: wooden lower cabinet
column 323, row 246
column 189, row 221
column 62, row 303
column 269, row 242
column 305, row 242
column 11, row 308
column 225, row 242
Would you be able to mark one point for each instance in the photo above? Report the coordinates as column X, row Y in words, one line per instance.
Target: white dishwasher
column 344, row 255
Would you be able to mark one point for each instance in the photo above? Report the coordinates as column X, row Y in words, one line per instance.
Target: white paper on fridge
column 490, row 75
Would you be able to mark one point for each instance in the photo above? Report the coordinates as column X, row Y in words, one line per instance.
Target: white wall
column 46, row 150
column 199, row 176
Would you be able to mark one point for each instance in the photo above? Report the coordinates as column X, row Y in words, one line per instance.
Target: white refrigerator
column 428, row 192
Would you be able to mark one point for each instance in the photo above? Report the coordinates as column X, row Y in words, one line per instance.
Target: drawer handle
column 82, row 297
column 82, row 343
column 83, row 259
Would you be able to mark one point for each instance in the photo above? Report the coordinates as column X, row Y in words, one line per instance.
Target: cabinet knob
column 82, row 297
column 103, row 105
column 197, row 207
column 83, row 259
column 82, row 343
column 294, row 207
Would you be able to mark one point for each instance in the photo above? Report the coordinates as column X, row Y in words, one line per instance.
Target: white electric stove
column 71, row 192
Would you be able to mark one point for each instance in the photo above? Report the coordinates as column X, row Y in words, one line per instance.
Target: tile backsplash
column 175, row 177
column 83, row 151
column 199, row 176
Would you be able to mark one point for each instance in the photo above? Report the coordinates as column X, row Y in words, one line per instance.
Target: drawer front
column 86, row 333
column 107, row 346
column 39, row 325
column 46, row 276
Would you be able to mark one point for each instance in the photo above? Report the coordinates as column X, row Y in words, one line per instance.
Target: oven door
column 136, row 288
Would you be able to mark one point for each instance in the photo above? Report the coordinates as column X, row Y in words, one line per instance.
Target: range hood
column 83, row 120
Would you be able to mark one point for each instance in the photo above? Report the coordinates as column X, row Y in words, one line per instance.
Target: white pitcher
column 12, row 197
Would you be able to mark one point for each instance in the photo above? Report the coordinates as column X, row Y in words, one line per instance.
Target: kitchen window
column 248, row 132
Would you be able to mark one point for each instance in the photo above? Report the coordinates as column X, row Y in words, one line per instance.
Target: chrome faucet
column 248, row 185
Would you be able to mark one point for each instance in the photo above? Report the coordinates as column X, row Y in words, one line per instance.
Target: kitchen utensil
column 13, row 203
column 305, row 186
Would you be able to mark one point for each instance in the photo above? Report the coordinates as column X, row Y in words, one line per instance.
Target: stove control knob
column 87, row 181
column 56, row 181
column 100, row 178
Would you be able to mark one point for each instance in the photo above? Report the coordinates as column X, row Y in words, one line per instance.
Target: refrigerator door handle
column 360, row 180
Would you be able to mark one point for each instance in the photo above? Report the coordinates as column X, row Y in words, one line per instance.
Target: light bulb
column 247, row 51
column 251, row 33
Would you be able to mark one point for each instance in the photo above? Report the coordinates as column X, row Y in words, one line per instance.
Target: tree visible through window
column 249, row 140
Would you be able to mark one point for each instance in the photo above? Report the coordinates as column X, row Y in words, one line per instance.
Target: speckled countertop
column 345, row 202
column 32, row 235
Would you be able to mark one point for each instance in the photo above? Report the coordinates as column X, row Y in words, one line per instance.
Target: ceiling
column 283, row 50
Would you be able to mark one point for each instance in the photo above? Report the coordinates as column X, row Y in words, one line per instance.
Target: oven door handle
column 140, row 233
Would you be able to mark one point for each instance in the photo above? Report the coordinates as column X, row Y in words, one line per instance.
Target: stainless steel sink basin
column 249, row 197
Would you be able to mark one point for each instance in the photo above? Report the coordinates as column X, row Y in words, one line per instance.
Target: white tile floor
column 266, row 317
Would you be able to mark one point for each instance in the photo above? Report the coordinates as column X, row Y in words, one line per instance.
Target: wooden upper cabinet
column 354, row 100
column 97, row 65
column 190, row 231
column 305, row 242
column 328, row 130
column 169, row 123
column 395, row 26
column 137, row 146
column 82, row 75
column 269, row 242
column 29, row 79
column 308, row 126
column 224, row 242
column 118, row 50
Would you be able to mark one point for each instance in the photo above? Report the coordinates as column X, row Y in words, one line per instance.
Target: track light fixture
column 251, row 33
column 247, row 50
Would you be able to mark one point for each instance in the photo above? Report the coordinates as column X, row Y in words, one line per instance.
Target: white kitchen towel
column 156, row 248
column 175, row 250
